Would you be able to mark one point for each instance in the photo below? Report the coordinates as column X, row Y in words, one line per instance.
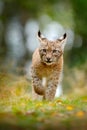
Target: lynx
column 47, row 62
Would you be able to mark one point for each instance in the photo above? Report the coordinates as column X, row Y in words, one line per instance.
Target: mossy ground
column 19, row 112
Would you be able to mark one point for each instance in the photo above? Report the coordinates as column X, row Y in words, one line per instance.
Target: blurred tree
column 79, row 55
column 23, row 11
column 58, row 10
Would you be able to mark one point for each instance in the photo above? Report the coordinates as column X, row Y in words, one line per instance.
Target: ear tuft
column 39, row 33
column 62, row 41
column 64, row 36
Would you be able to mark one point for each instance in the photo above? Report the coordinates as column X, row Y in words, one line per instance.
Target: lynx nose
column 48, row 59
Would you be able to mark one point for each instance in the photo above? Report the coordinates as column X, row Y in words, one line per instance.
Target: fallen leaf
column 52, row 104
column 80, row 114
column 38, row 104
column 59, row 101
column 69, row 108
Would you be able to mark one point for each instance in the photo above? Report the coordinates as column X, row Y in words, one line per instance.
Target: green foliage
column 61, row 11
column 80, row 9
column 19, row 111
column 60, row 113
column 78, row 55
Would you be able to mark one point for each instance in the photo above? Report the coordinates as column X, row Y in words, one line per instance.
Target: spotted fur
column 47, row 62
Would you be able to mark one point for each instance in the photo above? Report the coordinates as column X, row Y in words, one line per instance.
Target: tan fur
column 51, row 70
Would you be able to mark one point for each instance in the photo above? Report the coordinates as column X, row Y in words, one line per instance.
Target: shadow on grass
column 47, row 124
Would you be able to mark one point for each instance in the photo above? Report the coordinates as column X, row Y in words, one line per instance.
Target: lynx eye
column 55, row 51
column 44, row 50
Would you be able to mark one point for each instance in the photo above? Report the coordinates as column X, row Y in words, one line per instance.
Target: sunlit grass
column 17, row 107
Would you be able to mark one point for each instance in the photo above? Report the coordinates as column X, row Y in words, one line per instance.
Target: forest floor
column 19, row 112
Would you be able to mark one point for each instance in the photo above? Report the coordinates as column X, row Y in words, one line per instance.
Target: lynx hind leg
column 50, row 93
column 50, row 90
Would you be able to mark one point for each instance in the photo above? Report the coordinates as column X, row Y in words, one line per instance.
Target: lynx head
column 51, row 51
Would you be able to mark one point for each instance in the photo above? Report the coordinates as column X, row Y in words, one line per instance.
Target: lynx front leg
column 35, row 96
column 37, row 85
column 50, row 89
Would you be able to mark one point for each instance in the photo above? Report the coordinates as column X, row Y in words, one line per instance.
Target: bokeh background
column 19, row 22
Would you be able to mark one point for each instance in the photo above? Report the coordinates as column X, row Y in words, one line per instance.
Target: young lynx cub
column 47, row 61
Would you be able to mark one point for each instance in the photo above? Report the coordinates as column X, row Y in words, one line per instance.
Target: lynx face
column 51, row 51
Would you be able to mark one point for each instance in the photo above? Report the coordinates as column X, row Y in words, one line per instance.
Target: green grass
column 18, row 111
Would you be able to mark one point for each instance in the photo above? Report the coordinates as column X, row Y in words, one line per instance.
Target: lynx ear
column 62, row 41
column 63, row 37
column 41, row 37
column 39, row 34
